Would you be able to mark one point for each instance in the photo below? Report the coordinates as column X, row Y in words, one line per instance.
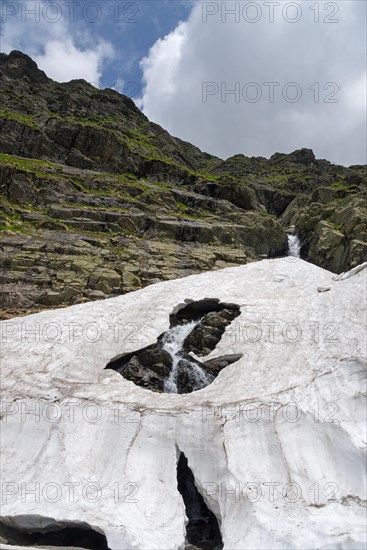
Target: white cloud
column 65, row 49
column 63, row 61
column 224, row 52
column 160, row 68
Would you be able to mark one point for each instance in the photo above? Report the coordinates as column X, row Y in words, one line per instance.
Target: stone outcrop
column 275, row 445
column 333, row 231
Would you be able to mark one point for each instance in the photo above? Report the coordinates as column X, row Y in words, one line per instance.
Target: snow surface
column 276, row 443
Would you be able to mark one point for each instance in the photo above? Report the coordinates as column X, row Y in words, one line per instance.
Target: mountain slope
column 97, row 201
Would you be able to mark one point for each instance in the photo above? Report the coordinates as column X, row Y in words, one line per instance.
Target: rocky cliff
column 98, row 201
column 270, row 455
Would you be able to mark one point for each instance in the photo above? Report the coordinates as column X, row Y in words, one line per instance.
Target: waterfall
column 172, row 343
column 294, row 245
column 201, row 377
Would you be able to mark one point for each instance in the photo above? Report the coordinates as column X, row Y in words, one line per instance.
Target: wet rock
column 141, row 375
column 156, row 356
column 208, row 333
column 194, row 310
column 214, row 366
column 334, row 234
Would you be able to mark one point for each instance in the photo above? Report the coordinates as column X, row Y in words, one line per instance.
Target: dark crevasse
column 71, row 535
column 202, row 530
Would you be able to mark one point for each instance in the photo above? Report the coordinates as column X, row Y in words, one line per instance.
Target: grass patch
column 27, row 120
column 13, row 227
column 29, row 165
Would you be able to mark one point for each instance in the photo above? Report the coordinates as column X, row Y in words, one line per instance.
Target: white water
column 294, row 246
column 201, row 377
column 172, row 343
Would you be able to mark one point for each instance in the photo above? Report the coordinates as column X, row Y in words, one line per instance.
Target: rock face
column 97, row 201
column 275, row 444
column 334, row 231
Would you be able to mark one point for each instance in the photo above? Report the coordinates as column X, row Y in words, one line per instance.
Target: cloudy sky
column 231, row 77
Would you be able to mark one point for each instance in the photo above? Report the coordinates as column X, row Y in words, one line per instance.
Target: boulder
column 328, row 228
column 328, row 247
column 207, row 334
column 241, row 196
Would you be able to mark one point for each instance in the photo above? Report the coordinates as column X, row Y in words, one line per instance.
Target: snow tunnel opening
column 168, row 366
column 65, row 535
column 202, row 529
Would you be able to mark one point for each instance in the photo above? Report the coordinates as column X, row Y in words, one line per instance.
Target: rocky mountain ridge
column 98, row 201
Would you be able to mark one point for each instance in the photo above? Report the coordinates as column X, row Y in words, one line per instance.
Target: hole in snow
column 202, row 529
column 63, row 535
column 167, row 366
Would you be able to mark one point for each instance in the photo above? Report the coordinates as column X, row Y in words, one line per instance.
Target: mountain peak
column 16, row 64
column 300, row 156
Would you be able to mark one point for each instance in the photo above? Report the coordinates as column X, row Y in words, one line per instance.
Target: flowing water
column 201, row 378
column 294, row 246
column 172, row 343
